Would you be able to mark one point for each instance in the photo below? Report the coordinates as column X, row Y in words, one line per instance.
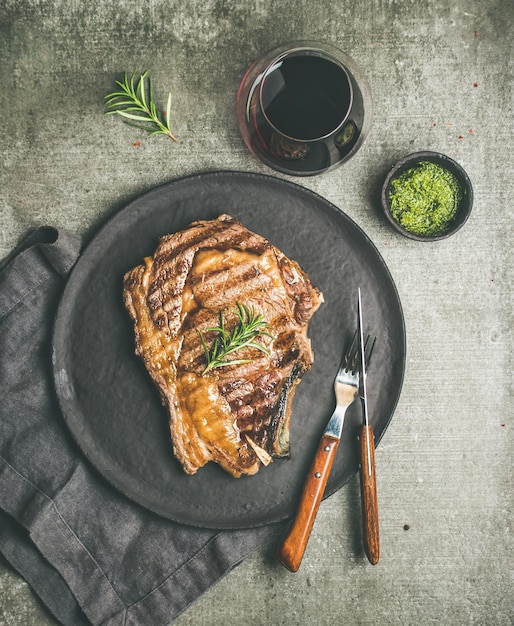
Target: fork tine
column 351, row 359
column 368, row 349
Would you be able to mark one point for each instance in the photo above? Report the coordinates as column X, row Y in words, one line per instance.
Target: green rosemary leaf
column 168, row 112
column 142, row 89
column 132, row 79
column 131, row 116
column 116, row 96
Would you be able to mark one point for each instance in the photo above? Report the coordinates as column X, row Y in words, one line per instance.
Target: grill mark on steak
column 238, row 415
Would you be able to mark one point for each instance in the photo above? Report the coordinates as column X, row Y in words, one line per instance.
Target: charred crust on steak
column 237, row 415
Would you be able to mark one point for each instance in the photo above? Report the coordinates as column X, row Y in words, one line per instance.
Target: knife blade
column 371, row 536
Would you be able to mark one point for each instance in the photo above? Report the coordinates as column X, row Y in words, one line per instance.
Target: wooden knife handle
column 291, row 551
column 369, row 495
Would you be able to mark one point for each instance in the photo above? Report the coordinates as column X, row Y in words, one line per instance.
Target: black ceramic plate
column 112, row 407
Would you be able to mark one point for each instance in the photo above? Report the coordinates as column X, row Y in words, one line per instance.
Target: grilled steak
column 236, row 415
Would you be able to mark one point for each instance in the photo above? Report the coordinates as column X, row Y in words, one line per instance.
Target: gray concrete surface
column 441, row 74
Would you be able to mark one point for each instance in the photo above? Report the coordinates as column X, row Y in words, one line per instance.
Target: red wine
column 304, row 108
column 306, row 97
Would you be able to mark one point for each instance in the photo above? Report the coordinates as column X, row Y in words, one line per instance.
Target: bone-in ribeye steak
column 236, row 415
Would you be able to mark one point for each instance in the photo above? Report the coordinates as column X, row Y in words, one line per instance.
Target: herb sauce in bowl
column 427, row 196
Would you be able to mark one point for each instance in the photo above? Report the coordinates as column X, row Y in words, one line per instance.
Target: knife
column 368, row 482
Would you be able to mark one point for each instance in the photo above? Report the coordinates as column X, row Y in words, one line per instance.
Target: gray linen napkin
column 90, row 554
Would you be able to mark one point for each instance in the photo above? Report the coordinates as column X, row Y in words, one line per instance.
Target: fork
column 346, row 389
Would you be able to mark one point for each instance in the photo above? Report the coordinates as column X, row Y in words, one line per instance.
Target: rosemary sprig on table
column 250, row 325
column 135, row 103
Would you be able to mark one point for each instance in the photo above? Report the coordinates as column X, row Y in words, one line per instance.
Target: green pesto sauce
column 424, row 199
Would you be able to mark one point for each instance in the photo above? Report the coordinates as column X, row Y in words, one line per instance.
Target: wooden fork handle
column 291, row 551
column 369, row 495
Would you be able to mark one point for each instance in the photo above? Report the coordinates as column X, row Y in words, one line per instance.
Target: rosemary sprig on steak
column 250, row 325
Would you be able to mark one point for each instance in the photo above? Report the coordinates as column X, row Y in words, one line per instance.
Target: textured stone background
column 441, row 73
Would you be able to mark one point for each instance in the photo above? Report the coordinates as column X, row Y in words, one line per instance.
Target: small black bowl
column 465, row 204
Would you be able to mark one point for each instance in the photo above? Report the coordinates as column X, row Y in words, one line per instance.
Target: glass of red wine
column 304, row 108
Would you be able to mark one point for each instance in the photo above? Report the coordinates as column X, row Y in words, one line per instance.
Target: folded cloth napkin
column 90, row 554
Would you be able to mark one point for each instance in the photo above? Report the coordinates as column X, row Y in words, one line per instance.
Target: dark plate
column 111, row 406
